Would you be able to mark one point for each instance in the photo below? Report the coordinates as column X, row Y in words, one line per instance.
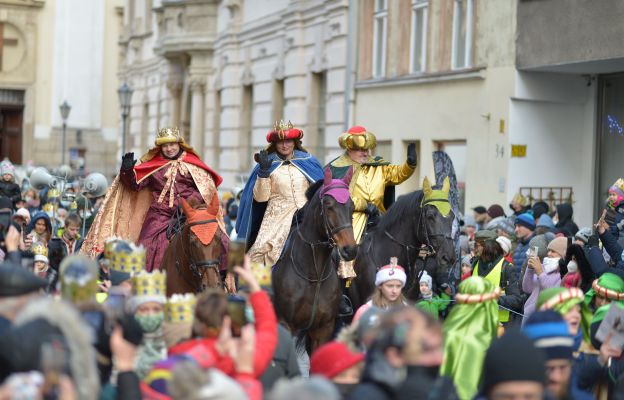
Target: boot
column 345, row 309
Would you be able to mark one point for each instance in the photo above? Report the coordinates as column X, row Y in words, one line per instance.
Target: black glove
column 411, row 155
column 371, row 210
column 264, row 162
column 128, row 161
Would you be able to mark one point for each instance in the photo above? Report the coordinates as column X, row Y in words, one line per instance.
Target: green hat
column 562, row 300
column 609, row 286
column 485, row 234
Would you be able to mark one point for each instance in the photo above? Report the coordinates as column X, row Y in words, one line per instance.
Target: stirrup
column 345, row 308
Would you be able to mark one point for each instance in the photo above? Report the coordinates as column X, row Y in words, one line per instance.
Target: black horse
column 305, row 284
column 413, row 227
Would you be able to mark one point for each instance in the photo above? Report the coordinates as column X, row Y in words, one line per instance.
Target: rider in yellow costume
column 372, row 178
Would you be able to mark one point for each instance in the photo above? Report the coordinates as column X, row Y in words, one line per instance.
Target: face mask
column 550, row 264
column 345, row 389
column 28, row 199
column 150, row 322
column 572, row 266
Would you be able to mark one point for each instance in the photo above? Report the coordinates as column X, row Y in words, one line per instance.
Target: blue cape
column 251, row 212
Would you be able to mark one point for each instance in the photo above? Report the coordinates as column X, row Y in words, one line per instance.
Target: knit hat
column 618, row 189
column 333, row 358
column 389, row 272
column 545, row 221
column 7, row 168
column 495, row 211
column 466, row 260
column 504, row 244
column 525, row 220
column 559, row 245
column 550, row 333
column 539, row 208
column 541, row 242
column 506, row 224
column 22, row 212
column 583, row 234
column 485, row 234
column 512, row 358
column 425, row 277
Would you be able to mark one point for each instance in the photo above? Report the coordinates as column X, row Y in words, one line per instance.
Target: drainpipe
column 349, row 71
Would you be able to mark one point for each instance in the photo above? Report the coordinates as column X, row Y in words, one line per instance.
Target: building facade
column 225, row 71
column 54, row 51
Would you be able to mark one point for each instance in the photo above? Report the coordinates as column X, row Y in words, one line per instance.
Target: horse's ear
column 213, row 208
column 427, row 187
column 446, row 185
column 327, row 177
column 347, row 178
column 186, row 207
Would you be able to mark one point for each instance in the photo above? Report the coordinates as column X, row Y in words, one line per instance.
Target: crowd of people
column 84, row 312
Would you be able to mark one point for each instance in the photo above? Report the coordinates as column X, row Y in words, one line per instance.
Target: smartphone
column 236, row 311
column 236, row 254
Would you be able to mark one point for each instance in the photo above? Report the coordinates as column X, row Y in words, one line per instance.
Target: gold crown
column 261, row 272
column 39, row 249
column 149, row 284
column 180, row 308
column 109, row 245
column 48, row 207
column 132, row 261
column 53, row 193
column 281, row 126
column 168, row 135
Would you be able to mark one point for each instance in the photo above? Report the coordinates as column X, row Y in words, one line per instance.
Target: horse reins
column 205, row 265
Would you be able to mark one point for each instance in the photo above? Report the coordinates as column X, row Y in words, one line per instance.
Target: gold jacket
column 369, row 184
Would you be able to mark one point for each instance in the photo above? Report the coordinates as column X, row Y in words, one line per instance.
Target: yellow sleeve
column 359, row 204
column 396, row 174
column 262, row 189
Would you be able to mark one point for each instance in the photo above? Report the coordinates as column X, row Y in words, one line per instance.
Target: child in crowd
column 615, row 208
column 429, row 302
column 466, row 267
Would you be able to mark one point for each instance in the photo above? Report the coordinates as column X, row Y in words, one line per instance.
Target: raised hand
column 128, row 161
column 412, row 160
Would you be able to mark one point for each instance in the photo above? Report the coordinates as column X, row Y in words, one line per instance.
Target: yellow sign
column 518, row 150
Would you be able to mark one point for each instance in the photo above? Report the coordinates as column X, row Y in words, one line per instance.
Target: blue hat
column 550, row 333
column 545, row 221
column 525, row 220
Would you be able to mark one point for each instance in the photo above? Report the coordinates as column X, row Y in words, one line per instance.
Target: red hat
column 283, row 131
column 333, row 358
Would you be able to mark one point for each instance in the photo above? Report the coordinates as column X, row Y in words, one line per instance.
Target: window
column 278, row 101
column 380, row 27
column 246, row 123
column 318, row 97
column 418, row 57
column 462, row 34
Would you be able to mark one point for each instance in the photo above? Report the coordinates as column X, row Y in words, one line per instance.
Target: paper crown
column 357, row 138
column 48, row 207
column 262, row 273
column 127, row 257
column 168, row 135
column 53, row 193
column 180, row 308
column 109, row 245
column 149, row 283
column 283, row 131
column 39, row 249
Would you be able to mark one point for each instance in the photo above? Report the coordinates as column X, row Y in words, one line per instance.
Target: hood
column 564, row 212
column 67, row 320
column 40, row 215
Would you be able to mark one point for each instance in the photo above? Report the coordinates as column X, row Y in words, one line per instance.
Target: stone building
column 224, row 71
column 53, row 51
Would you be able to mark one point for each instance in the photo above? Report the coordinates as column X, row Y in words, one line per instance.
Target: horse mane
column 313, row 189
column 401, row 208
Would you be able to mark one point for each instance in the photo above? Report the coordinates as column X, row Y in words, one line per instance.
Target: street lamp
column 65, row 109
column 125, row 97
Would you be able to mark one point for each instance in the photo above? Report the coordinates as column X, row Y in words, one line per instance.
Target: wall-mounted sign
column 518, row 150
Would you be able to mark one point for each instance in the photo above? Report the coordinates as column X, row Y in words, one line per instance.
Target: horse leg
column 321, row 335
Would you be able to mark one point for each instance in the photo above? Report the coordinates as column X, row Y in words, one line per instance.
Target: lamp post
column 65, row 108
column 125, row 97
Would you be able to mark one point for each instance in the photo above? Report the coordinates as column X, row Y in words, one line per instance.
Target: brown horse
column 305, row 282
column 196, row 252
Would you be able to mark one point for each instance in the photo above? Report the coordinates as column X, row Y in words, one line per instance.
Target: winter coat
column 421, row 385
column 10, row 190
column 40, row 215
column 58, row 250
column 565, row 223
column 519, row 255
column 613, row 247
column 284, row 363
column 600, row 266
column 509, row 282
column 434, row 305
column 266, row 338
column 533, row 284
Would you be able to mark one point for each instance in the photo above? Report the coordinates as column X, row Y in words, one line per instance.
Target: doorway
column 11, row 133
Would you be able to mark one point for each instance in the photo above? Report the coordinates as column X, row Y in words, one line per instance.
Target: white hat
column 42, row 258
column 22, row 212
column 391, row 272
column 504, row 243
column 425, row 277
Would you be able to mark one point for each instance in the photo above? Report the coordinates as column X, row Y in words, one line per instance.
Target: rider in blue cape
column 274, row 192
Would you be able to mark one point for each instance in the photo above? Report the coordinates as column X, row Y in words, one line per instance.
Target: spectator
column 518, row 204
column 549, row 333
column 17, row 288
column 40, row 228
column 389, row 282
column 33, row 203
column 564, row 221
column 466, row 267
column 8, row 187
column 582, row 236
column 494, row 211
column 568, row 303
column 22, row 217
column 525, row 225
column 505, row 245
column 513, row 369
column 480, row 216
column 544, row 224
column 429, row 301
column 540, row 208
column 315, row 388
column 68, row 242
column 336, row 362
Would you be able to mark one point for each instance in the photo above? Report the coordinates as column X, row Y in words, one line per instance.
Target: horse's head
column 437, row 222
column 206, row 246
column 337, row 213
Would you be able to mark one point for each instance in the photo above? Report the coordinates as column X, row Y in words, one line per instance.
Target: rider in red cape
column 143, row 198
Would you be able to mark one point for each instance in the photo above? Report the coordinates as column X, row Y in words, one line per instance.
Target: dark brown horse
column 305, row 282
column 196, row 252
column 412, row 226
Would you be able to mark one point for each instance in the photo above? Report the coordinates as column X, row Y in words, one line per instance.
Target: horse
column 196, row 250
column 413, row 228
column 305, row 282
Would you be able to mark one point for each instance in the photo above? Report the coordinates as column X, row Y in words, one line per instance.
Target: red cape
column 148, row 167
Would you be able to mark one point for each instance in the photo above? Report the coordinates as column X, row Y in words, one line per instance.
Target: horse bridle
column 200, row 268
column 332, row 231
